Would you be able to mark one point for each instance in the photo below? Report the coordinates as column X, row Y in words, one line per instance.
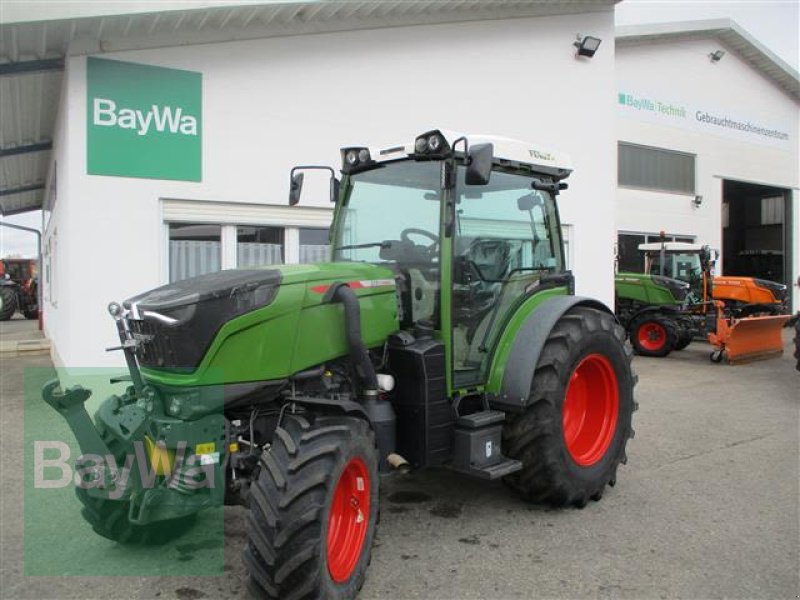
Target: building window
column 655, row 169
column 772, row 210
column 629, row 259
column 194, row 249
column 314, row 246
column 257, row 246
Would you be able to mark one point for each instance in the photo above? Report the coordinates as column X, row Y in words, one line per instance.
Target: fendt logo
column 161, row 118
column 542, row 155
column 143, row 121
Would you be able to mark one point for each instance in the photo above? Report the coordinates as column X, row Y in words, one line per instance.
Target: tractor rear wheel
column 572, row 437
column 653, row 335
column 313, row 509
column 8, row 302
column 109, row 518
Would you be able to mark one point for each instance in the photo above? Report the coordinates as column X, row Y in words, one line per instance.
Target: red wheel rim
column 652, row 336
column 349, row 520
column 591, row 407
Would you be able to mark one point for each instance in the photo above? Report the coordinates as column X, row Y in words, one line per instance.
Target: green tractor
column 444, row 333
column 651, row 308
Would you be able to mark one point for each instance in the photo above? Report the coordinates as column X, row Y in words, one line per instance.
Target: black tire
column 797, row 343
column 550, row 473
column 291, row 504
column 664, row 328
column 684, row 339
column 109, row 519
column 8, row 302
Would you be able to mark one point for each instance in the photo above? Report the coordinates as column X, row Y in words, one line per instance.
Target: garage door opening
column 756, row 231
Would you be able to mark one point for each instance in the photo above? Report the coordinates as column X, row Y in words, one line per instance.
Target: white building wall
column 682, row 75
column 270, row 104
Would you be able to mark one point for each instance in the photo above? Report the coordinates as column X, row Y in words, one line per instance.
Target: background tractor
column 444, row 333
column 18, row 288
column 666, row 311
column 743, row 296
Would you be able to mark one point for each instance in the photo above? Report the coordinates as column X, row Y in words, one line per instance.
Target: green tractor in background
column 651, row 308
column 444, row 333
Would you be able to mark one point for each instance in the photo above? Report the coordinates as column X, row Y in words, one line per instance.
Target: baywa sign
column 143, row 121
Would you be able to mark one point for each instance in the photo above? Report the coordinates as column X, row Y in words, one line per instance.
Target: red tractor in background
column 19, row 288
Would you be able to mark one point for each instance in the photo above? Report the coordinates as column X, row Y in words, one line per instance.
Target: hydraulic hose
column 352, row 325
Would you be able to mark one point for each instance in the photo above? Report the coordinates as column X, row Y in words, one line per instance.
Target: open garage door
column 757, row 231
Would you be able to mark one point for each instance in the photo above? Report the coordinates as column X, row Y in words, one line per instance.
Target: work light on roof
column 431, row 143
column 353, row 158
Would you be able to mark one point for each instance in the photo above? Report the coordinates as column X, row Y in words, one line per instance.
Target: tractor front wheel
column 684, row 339
column 653, row 335
column 572, row 437
column 8, row 303
column 314, row 509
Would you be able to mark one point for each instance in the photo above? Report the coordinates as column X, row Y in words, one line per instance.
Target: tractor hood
column 176, row 324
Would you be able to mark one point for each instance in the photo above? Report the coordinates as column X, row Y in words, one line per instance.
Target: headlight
column 115, row 310
column 431, row 143
column 354, row 158
column 777, row 289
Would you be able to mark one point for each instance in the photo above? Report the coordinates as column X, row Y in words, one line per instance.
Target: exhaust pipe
column 398, row 463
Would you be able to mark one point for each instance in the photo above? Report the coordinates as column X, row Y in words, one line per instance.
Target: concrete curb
column 25, row 346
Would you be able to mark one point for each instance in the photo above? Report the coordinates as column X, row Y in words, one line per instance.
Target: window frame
column 654, row 188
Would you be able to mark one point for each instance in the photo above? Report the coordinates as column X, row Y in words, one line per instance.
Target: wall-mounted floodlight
column 698, row 201
column 586, row 45
column 716, row 56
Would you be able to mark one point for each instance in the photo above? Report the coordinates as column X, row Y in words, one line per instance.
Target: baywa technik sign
column 684, row 114
column 143, row 121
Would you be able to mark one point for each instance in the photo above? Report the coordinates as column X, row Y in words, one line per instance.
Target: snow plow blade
column 748, row 339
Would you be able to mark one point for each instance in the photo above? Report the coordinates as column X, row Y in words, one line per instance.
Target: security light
column 587, row 45
column 717, row 55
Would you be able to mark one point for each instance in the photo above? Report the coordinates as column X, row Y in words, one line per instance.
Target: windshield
column 685, row 267
column 391, row 214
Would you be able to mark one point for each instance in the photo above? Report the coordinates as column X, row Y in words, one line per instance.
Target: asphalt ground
column 707, row 507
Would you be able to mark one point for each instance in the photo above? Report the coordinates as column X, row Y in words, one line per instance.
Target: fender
column 670, row 309
column 528, row 343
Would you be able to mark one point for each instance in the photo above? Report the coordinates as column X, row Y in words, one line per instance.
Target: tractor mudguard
column 527, row 346
column 660, row 308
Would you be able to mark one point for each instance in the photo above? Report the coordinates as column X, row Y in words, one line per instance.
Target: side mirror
column 295, row 188
column 526, row 202
column 296, row 182
column 479, row 169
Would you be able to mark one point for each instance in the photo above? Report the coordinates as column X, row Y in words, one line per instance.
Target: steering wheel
column 431, row 249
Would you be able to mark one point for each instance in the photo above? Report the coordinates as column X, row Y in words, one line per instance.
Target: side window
column 258, row 246
column 194, row 249
column 314, row 246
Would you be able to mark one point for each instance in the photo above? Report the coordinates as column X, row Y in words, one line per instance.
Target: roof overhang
column 729, row 33
column 35, row 37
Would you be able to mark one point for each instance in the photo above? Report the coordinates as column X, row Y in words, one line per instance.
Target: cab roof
column 505, row 149
column 671, row 247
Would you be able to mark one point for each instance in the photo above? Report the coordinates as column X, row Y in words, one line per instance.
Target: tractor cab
column 469, row 226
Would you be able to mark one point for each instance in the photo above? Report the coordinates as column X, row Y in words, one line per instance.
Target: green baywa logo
column 159, row 118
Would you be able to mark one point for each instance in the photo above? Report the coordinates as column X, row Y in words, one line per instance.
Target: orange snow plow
column 747, row 339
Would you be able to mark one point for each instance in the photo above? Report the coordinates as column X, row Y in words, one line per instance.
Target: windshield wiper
column 383, row 244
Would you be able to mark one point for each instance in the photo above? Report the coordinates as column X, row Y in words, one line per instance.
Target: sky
column 774, row 23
